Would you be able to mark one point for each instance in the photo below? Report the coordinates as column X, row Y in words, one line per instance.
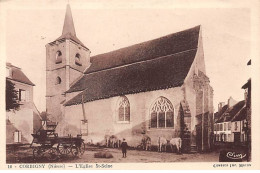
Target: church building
column 158, row 88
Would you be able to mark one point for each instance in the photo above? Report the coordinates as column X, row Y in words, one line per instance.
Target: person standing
column 124, row 147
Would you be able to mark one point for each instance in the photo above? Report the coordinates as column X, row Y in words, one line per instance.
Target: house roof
column 18, row 75
column 241, row 115
column 247, row 84
column 231, row 112
column 217, row 115
column 157, row 64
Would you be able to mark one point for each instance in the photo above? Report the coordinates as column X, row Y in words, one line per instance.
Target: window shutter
column 20, row 93
column 17, row 136
column 23, row 95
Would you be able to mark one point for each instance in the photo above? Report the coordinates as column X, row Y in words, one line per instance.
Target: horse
column 177, row 142
column 162, row 142
column 146, row 142
column 113, row 141
column 89, row 141
column 107, row 142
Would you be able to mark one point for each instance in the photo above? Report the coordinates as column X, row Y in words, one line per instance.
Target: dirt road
column 24, row 155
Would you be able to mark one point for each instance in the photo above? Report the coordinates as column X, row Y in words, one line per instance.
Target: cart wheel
column 52, row 154
column 82, row 148
column 74, row 151
column 38, row 153
column 64, row 149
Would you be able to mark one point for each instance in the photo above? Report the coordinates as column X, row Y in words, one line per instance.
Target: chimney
column 231, row 102
column 220, row 106
column 246, row 95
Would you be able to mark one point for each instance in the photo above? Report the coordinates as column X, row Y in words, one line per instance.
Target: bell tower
column 66, row 59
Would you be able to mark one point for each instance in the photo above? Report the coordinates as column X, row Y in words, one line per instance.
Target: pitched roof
column 247, row 84
column 220, row 113
column 163, row 46
column 231, row 112
column 18, row 75
column 161, row 73
column 157, row 64
column 241, row 115
column 68, row 31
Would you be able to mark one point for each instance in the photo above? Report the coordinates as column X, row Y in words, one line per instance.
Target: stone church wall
column 102, row 120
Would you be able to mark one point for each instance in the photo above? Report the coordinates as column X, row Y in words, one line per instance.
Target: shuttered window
column 17, row 136
column 22, row 95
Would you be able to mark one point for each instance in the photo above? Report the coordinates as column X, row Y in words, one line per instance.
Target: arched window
column 58, row 80
column 77, row 60
column 58, row 58
column 162, row 113
column 123, row 109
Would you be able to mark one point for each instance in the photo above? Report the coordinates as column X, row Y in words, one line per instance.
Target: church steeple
column 68, row 31
column 66, row 60
column 68, row 27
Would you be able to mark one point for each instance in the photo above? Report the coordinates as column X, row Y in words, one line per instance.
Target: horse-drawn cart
column 51, row 146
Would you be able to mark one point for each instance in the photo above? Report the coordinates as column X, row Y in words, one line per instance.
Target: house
column 158, row 88
column 20, row 124
column 228, row 127
column 247, row 127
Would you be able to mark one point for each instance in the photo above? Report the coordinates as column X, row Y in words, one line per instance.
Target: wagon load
column 49, row 144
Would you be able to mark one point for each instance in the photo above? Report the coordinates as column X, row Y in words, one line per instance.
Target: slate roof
column 241, row 115
column 220, row 113
column 247, row 84
column 167, row 45
column 229, row 114
column 18, row 75
column 157, row 64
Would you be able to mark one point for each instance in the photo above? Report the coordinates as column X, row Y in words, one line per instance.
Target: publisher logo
column 234, row 155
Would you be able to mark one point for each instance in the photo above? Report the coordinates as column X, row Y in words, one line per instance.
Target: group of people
column 161, row 142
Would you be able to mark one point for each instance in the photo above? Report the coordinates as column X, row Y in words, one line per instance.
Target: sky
column 103, row 27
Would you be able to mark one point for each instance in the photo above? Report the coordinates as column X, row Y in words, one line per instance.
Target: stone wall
column 102, row 120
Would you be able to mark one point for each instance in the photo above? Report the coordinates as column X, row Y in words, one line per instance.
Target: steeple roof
column 68, row 31
column 68, row 26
